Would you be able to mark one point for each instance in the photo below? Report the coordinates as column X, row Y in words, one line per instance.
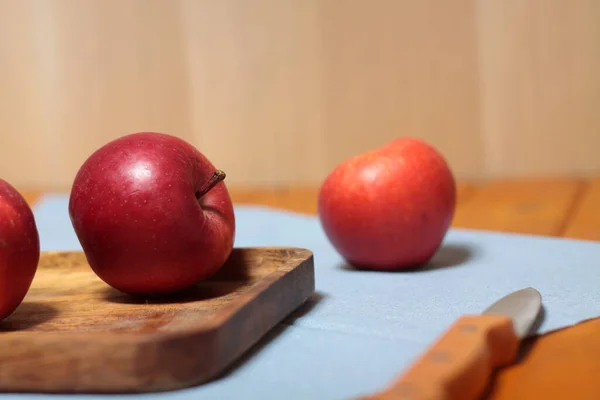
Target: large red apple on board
column 389, row 208
column 19, row 248
column 152, row 214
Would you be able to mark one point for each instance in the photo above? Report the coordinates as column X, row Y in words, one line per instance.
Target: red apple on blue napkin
column 389, row 208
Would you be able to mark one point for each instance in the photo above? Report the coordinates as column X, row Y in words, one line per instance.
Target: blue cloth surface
column 363, row 328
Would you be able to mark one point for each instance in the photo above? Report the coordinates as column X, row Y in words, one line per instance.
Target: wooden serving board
column 75, row 334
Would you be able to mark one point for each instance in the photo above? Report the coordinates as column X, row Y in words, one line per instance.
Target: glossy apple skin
column 389, row 208
column 134, row 209
column 19, row 248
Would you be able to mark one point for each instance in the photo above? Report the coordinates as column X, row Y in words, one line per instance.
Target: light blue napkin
column 363, row 328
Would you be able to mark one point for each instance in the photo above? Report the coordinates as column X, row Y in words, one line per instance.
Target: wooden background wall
column 279, row 91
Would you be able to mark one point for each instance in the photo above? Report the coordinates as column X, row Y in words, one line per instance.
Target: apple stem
column 216, row 177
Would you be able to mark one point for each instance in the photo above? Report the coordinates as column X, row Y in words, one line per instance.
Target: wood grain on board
column 73, row 333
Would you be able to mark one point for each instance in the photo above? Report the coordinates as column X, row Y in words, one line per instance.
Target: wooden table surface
column 559, row 365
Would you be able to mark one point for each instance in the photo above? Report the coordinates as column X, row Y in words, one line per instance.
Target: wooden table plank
column 464, row 193
column 559, row 365
column 528, row 206
column 303, row 199
column 31, row 196
column 296, row 199
column 585, row 222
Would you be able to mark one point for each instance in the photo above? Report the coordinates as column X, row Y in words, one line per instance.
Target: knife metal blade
column 460, row 364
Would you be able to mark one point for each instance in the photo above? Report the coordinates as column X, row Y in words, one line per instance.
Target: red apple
column 389, row 208
column 152, row 214
column 19, row 248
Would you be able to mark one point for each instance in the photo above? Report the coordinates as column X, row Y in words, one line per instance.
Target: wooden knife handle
column 460, row 364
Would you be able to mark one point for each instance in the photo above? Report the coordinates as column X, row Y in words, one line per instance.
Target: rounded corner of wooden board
column 92, row 339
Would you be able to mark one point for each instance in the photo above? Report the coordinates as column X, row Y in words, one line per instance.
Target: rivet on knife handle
column 459, row 365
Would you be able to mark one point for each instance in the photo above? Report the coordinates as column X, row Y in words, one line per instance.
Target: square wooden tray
column 75, row 334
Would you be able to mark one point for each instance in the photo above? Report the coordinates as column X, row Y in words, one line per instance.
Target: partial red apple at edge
column 19, row 248
column 389, row 208
column 152, row 214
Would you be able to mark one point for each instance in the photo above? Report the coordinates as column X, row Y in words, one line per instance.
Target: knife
column 461, row 362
